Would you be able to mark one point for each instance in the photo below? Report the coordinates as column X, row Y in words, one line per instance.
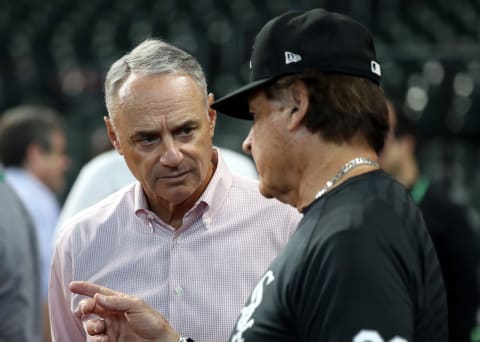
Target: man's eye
column 185, row 131
column 148, row 139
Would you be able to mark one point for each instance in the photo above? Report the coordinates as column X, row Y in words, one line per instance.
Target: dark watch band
column 185, row 339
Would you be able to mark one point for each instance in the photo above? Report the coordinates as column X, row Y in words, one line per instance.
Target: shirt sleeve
column 65, row 326
column 354, row 288
column 11, row 315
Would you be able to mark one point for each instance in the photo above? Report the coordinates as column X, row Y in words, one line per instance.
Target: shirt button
column 207, row 220
column 178, row 240
column 178, row 290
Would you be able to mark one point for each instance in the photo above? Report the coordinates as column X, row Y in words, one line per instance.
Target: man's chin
column 283, row 195
column 266, row 191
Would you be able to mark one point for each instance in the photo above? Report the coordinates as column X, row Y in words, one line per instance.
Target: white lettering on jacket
column 246, row 321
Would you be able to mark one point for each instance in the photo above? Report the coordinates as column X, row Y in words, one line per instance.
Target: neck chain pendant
column 344, row 170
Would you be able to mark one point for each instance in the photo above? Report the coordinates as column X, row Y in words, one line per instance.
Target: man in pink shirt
column 189, row 238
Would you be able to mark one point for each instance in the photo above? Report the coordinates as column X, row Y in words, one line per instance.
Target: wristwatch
column 185, row 339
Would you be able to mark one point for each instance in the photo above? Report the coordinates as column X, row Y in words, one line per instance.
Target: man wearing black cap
column 361, row 267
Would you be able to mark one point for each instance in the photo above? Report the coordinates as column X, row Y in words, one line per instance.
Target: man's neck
column 321, row 169
column 409, row 174
column 172, row 214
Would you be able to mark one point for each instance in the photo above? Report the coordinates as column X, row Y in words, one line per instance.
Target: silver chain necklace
column 343, row 171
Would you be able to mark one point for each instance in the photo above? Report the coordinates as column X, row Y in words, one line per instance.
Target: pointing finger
column 89, row 289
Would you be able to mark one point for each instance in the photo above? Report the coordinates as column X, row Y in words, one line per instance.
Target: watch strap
column 185, row 339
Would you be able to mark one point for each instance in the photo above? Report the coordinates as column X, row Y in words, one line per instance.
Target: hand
column 125, row 318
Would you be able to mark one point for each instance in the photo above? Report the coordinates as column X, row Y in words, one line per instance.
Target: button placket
column 177, row 282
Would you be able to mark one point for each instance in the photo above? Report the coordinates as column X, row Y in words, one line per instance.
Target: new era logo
column 291, row 57
column 376, row 68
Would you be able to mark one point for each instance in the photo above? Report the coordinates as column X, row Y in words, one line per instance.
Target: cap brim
column 235, row 104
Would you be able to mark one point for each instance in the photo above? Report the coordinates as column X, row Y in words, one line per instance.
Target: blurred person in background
column 104, row 174
column 189, row 237
column 107, row 172
column 20, row 300
column 453, row 238
column 32, row 150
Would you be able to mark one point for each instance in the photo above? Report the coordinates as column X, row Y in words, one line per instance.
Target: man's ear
column 34, row 155
column 111, row 134
column 300, row 98
column 212, row 114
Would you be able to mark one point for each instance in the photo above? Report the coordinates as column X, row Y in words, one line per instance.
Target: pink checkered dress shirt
column 198, row 276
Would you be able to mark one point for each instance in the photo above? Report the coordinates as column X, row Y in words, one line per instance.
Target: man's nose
column 247, row 143
column 172, row 156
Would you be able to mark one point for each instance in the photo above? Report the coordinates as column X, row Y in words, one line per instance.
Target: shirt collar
column 20, row 175
column 209, row 202
column 217, row 190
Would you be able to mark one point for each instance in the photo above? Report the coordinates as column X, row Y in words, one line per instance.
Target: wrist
column 171, row 336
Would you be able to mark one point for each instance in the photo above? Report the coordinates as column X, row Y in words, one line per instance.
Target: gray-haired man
column 190, row 238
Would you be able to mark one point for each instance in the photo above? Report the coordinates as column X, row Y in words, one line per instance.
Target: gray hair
column 151, row 57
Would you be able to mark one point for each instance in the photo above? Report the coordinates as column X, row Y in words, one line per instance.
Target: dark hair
column 25, row 125
column 340, row 106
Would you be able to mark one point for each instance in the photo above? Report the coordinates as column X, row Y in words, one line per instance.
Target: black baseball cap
column 300, row 41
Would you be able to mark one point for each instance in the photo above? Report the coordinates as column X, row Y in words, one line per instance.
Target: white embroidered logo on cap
column 376, row 68
column 291, row 57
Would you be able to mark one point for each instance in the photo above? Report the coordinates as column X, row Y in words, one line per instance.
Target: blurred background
column 56, row 52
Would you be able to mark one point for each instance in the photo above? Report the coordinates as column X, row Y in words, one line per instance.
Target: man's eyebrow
column 137, row 133
column 186, row 123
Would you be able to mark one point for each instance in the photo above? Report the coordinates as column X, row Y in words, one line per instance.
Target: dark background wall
column 57, row 52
